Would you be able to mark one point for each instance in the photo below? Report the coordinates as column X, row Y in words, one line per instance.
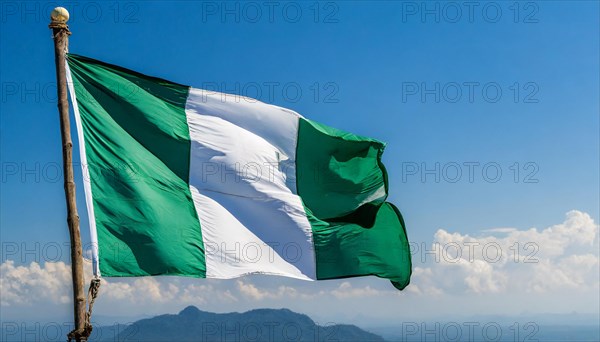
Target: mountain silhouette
column 261, row 325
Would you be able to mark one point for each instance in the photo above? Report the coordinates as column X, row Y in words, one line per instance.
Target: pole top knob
column 59, row 15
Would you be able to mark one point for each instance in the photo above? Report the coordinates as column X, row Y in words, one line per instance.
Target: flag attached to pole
column 183, row 181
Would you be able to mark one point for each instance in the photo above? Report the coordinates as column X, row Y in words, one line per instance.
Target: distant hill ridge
column 260, row 325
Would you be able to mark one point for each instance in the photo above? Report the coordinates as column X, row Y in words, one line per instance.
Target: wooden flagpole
column 60, row 33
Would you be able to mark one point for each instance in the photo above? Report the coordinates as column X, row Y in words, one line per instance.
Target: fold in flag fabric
column 190, row 182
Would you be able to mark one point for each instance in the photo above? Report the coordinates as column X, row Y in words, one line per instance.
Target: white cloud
column 342, row 291
column 51, row 282
column 346, row 290
column 27, row 284
column 140, row 290
column 560, row 257
column 507, row 260
column 251, row 291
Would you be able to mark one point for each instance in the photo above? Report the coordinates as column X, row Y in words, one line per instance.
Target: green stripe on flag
column 370, row 241
column 338, row 171
column 138, row 149
column 343, row 186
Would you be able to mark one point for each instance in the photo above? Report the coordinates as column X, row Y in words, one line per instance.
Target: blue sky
column 502, row 88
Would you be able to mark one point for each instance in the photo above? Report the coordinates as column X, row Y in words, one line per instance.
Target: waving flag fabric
column 184, row 181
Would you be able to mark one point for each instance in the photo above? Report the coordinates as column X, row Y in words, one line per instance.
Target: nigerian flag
column 189, row 182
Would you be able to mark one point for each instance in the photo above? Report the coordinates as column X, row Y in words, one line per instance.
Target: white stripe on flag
column 242, row 180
